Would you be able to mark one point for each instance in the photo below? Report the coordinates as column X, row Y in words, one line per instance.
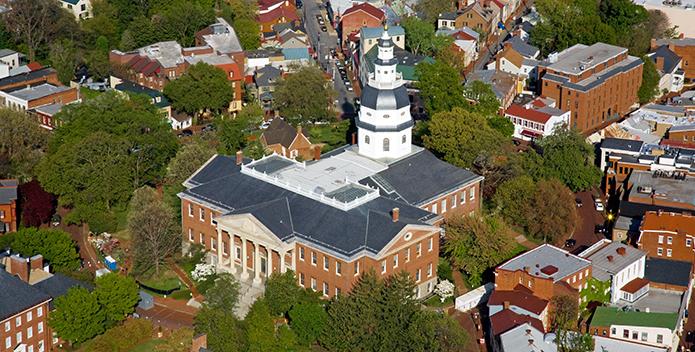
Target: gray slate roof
column 217, row 167
column 666, row 271
column 605, row 268
column 267, row 75
column 8, row 52
column 24, row 77
column 671, row 60
column 36, row 91
column 8, row 191
column 281, row 132
column 622, row 144
column 17, row 295
column 526, row 50
column 384, row 99
column 419, row 178
column 546, row 255
column 58, row 285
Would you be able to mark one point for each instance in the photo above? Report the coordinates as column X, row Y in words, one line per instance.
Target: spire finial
column 386, row 26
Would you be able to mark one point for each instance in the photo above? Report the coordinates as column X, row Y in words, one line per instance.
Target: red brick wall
column 649, row 241
column 62, row 97
column 685, row 137
column 52, row 78
column 506, row 280
column 356, row 20
column 688, row 55
column 25, row 325
column 10, row 217
column 460, row 208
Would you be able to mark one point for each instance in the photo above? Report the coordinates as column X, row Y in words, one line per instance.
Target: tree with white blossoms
column 444, row 290
column 202, row 271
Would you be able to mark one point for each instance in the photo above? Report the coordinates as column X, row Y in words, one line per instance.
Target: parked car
column 596, row 198
column 570, row 243
column 324, row 29
column 579, row 202
column 320, row 20
column 598, row 206
column 208, row 127
column 349, row 87
column 186, row 133
column 299, row 4
column 516, row 142
column 600, row 229
column 56, row 220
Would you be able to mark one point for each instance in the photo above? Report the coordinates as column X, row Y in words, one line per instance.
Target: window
column 635, row 335
column 612, row 331
column 453, row 201
column 190, row 210
column 41, row 346
column 429, row 245
column 39, row 311
column 202, row 239
column 202, row 214
column 604, row 332
column 407, row 255
column 30, row 332
column 595, row 331
column 301, row 279
column 434, row 208
column 472, row 193
column 470, row 15
column 313, row 258
column 301, row 253
column 313, row 284
column 238, row 252
column 403, row 139
column 190, row 235
column 669, row 252
column 357, row 268
column 7, row 326
column 580, row 275
column 661, row 238
column 463, row 196
column 30, row 348
column 18, row 321
column 338, row 268
column 8, row 342
column 225, row 247
column 213, row 243
column 644, row 336
column 659, row 338
column 19, row 337
column 417, row 276
column 443, row 205
column 366, row 139
column 574, row 278
column 669, row 240
column 530, row 283
column 337, row 291
column 325, row 263
column 688, row 242
column 586, row 272
column 429, row 269
column 395, row 260
column 626, row 333
column 521, row 281
column 660, row 251
column 418, row 250
column 386, row 144
column 383, row 266
column 325, row 289
column 83, row 7
column 212, row 218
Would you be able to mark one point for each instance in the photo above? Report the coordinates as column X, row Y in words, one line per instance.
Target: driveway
column 585, row 235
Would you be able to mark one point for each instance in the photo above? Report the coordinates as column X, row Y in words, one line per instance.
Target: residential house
column 522, row 303
column 622, row 265
column 265, row 79
column 597, row 83
column 605, row 344
column 180, row 119
column 478, row 16
column 507, row 321
column 524, row 49
column 158, row 99
column 505, row 85
column 8, row 206
column 508, row 60
column 256, row 59
column 668, row 235
column 683, row 48
column 525, row 338
column 45, row 113
column 523, row 31
column 80, row 8
column 33, row 95
column 283, row 139
column 43, row 75
column 618, row 147
column 683, row 135
column 668, row 64
column 279, row 15
column 405, row 66
column 265, row 6
column 465, row 40
column 546, row 271
column 653, row 329
column 360, row 16
column 12, row 58
column 535, row 119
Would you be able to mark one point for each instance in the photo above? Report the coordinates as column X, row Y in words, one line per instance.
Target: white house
column 535, row 119
column 508, row 60
column 654, row 329
column 12, row 58
column 526, row 338
column 668, row 64
column 475, row 297
column 80, row 8
column 623, row 265
column 604, row 344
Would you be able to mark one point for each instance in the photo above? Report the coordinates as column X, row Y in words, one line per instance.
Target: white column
column 282, row 261
column 244, row 259
column 257, row 263
column 294, row 260
column 220, row 248
column 269, row 269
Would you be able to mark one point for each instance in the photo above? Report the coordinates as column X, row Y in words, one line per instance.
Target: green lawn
column 166, row 280
column 146, row 346
column 90, row 93
column 436, row 301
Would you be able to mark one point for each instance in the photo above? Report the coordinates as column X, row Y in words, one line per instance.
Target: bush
column 203, row 286
column 141, row 328
column 444, row 271
column 181, row 294
column 103, row 222
column 84, row 276
column 101, row 344
column 119, row 337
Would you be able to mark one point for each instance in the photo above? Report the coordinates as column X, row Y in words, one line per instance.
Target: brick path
column 183, row 277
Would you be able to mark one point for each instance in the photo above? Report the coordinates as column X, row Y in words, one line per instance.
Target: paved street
column 585, row 235
column 322, row 43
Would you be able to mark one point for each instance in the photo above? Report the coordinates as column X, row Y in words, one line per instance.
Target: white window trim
column 326, row 263
column 383, row 266
column 314, row 258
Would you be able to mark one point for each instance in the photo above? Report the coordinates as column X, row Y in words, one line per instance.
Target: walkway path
column 522, row 240
column 183, row 277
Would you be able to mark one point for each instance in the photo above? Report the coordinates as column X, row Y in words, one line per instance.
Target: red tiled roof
column 635, row 285
column 367, row 8
column 150, row 68
column 34, row 66
column 507, row 320
column 354, row 36
column 538, row 103
column 140, row 64
column 277, row 13
column 266, row 4
column 520, row 299
column 528, row 114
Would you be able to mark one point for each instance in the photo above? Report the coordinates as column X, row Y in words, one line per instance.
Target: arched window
column 403, row 139
column 366, row 139
column 386, row 144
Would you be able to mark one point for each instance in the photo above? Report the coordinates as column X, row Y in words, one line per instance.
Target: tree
column 308, row 320
column 188, row 160
column 555, row 212
column 563, row 313
column 77, row 316
column 248, row 33
column 177, row 340
column 476, row 244
column 21, row 143
column 453, row 57
column 343, row 325
column 252, row 114
column 260, row 328
column 222, row 329
column 399, row 305
column 287, row 339
column 572, row 341
column 515, row 199
column 450, row 335
column 203, row 87
column 155, row 234
column 230, row 133
column 34, row 21
column 37, row 205
column 54, row 245
column 117, row 295
column 281, row 292
column 183, row 19
column 305, row 97
column 483, row 99
column 440, row 87
column 649, row 89
column 224, row 295
column 420, row 37
column 431, row 9
column 64, row 59
column 235, row 10
column 569, row 158
column 458, row 136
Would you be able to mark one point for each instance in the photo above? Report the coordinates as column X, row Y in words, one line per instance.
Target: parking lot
column 585, row 235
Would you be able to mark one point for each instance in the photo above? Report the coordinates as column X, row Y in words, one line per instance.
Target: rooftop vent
column 644, row 189
column 610, row 258
column 621, row 250
column 549, row 270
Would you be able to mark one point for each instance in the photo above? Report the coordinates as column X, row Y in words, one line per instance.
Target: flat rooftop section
column 677, row 191
column 50, row 109
column 571, row 59
column 224, row 39
column 656, row 301
column 210, row 59
column 558, row 263
column 607, row 316
column 605, row 344
column 626, row 145
column 167, row 53
column 35, row 92
column 608, row 261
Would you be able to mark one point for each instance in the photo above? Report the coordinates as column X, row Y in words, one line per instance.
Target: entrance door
column 263, row 266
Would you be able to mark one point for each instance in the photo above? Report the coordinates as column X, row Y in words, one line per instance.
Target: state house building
column 377, row 205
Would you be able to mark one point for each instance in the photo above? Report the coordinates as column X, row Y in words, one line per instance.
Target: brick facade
column 685, row 48
column 359, row 16
column 32, row 322
column 463, row 201
column 668, row 236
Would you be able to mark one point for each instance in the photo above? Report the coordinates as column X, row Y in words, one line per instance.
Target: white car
column 598, row 206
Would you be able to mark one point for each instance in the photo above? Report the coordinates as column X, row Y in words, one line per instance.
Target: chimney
column 299, row 129
column 660, row 63
column 621, row 251
column 354, row 135
column 682, row 36
column 36, row 262
column 530, row 342
column 198, row 342
column 508, row 45
column 671, row 46
column 317, row 152
column 19, row 266
column 527, row 269
column 610, row 258
column 394, row 214
column 505, row 304
column 652, row 46
column 239, row 157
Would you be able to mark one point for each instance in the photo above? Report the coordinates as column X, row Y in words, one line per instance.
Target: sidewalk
column 183, row 277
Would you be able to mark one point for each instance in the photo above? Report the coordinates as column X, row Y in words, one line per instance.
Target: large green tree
column 308, row 320
column 281, row 292
column 78, row 316
column 223, row 330
column 224, row 295
column 569, row 158
column 431, row 9
column 248, row 33
column 476, row 244
column 117, row 295
column 554, row 212
column 259, row 327
column 54, row 245
column 650, row 82
column 420, row 37
column 189, row 159
column 183, row 19
column 21, row 144
column 305, row 97
column 203, row 87
column 515, row 199
column 440, row 87
column 64, row 59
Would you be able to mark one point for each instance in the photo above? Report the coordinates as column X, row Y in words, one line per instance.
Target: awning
column 530, row 133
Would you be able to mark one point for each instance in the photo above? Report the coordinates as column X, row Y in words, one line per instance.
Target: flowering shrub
column 110, row 246
column 444, row 290
column 97, row 242
column 202, row 271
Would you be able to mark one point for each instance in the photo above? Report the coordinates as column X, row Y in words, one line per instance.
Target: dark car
column 600, row 229
column 186, row 133
column 299, row 4
column 570, row 243
column 596, row 198
column 516, row 142
column 324, row 29
column 579, row 202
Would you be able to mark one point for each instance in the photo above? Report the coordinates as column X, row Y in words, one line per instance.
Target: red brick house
column 280, row 15
column 358, row 16
column 8, row 206
column 668, row 235
column 38, row 94
column 283, row 139
column 683, row 47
